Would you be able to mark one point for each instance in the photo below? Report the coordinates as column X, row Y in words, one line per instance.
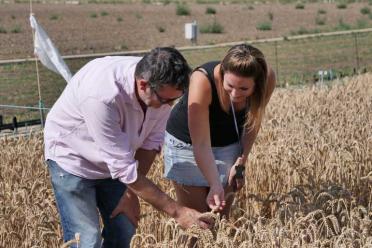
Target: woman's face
column 239, row 88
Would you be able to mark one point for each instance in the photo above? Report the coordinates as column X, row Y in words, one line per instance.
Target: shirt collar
column 129, row 86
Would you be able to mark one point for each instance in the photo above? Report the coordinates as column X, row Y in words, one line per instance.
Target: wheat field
column 308, row 181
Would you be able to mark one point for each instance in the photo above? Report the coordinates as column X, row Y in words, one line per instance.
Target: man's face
column 166, row 94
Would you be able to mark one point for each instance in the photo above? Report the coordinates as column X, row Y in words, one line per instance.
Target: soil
column 118, row 27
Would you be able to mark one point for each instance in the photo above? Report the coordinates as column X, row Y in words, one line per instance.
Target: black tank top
column 222, row 126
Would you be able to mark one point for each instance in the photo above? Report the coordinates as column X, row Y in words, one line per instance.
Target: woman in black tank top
column 212, row 128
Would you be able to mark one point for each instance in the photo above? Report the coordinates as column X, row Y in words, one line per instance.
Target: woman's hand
column 216, row 197
column 236, row 181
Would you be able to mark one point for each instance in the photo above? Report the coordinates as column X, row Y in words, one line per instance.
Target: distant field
column 297, row 62
column 95, row 28
column 165, row 2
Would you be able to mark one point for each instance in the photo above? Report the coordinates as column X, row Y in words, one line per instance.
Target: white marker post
column 191, row 32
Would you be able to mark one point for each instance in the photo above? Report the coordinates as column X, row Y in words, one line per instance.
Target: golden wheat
column 308, row 181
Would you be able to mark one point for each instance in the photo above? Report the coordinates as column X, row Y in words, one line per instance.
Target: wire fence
column 296, row 60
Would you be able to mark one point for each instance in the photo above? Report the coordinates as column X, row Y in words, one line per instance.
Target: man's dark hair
column 164, row 66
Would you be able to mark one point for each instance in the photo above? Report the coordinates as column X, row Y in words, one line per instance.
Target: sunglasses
column 164, row 100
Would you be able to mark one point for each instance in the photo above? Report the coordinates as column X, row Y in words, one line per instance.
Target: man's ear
column 142, row 84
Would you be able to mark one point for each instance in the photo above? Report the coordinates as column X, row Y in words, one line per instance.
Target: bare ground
column 136, row 26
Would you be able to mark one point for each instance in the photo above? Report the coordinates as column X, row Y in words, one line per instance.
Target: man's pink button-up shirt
column 97, row 124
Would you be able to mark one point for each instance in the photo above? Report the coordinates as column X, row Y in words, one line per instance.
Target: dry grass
column 309, row 181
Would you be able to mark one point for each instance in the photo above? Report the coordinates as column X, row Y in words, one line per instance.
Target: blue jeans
column 77, row 201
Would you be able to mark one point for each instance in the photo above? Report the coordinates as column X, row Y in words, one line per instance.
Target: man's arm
column 145, row 159
column 129, row 204
column 149, row 192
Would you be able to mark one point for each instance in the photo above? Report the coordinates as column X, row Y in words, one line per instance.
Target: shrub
column 300, row 6
column 53, row 17
column 361, row 23
column 365, row 10
column 342, row 6
column 210, row 11
column 207, row 1
column 303, row 30
column 119, row 19
column 161, row 29
column 270, row 15
column 93, row 15
column 165, row 2
column 264, row 26
column 138, row 15
column 320, row 20
column 322, row 11
column 121, row 47
column 16, row 30
column 300, row 31
column 182, row 10
column 3, row 30
column 250, row 7
column 342, row 25
column 13, row 17
column 214, row 28
column 104, row 13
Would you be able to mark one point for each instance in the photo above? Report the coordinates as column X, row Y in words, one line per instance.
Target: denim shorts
column 180, row 165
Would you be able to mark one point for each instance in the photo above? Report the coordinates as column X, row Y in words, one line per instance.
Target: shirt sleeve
column 155, row 140
column 103, row 123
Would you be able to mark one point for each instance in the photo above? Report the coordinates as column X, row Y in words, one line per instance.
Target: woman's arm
column 237, row 182
column 200, row 97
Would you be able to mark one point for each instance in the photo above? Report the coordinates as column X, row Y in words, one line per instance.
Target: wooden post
column 356, row 51
column 276, row 63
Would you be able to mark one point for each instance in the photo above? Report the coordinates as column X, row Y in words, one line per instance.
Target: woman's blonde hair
column 246, row 61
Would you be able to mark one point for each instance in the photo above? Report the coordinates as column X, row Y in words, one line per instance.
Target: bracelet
column 239, row 169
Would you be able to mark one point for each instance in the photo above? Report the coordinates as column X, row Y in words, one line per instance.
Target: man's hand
column 236, row 181
column 149, row 192
column 186, row 217
column 128, row 205
column 216, row 197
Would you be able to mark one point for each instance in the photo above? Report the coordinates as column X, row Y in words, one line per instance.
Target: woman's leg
column 225, row 158
column 192, row 196
column 195, row 197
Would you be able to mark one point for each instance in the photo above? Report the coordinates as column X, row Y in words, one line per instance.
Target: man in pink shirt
column 101, row 138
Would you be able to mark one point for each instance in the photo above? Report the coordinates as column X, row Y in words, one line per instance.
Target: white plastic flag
column 47, row 52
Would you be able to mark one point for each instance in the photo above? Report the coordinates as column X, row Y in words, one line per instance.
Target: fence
column 296, row 60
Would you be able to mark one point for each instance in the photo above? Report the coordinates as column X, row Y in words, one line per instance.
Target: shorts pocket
column 174, row 143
